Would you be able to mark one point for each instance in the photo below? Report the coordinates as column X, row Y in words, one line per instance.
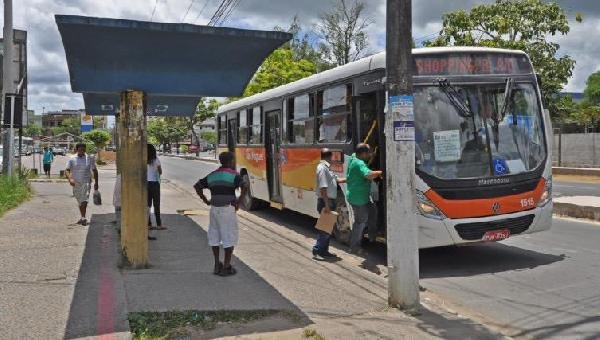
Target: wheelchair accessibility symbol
column 500, row 167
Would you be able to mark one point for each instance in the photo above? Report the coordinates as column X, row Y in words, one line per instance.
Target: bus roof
column 371, row 63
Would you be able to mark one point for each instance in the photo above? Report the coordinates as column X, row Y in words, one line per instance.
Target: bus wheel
column 247, row 201
column 342, row 230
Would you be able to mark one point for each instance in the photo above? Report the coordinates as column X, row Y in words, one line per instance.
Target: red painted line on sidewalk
column 105, row 320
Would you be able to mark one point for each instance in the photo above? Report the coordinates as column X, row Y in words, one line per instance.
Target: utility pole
column 402, row 229
column 7, row 84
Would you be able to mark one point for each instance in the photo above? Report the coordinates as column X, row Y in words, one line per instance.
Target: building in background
column 206, row 126
column 54, row 119
column 33, row 119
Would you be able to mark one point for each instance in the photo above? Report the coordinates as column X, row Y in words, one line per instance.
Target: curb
column 576, row 171
column 205, row 159
column 577, row 211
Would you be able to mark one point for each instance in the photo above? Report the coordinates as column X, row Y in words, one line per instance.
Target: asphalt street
column 563, row 188
column 544, row 285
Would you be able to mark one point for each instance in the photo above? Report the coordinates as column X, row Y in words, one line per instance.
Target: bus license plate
column 496, row 235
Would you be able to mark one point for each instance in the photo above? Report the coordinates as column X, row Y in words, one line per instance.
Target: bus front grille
column 475, row 231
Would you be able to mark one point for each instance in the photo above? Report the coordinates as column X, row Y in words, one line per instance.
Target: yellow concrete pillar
column 132, row 156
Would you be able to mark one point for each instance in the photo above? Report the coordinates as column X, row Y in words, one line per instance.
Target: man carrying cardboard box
column 327, row 188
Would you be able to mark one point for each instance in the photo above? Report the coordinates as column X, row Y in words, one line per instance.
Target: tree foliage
column 166, row 130
column 278, row 69
column 32, row 130
column 204, row 110
column 592, row 89
column 209, row 136
column 343, row 30
column 99, row 137
column 515, row 24
column 70, row 125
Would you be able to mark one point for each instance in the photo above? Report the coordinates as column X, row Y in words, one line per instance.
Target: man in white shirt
column 327, row 188
column 79, row 173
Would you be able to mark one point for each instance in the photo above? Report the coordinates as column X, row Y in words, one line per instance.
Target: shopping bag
column 326, row 221
column 97, row 197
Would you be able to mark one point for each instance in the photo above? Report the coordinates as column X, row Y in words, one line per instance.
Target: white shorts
column 81, row 191
column 223, row 227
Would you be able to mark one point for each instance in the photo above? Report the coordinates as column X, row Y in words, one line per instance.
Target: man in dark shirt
column 223, row 225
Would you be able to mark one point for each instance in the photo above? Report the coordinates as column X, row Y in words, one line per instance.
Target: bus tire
column 247, row 201
column 343, row 226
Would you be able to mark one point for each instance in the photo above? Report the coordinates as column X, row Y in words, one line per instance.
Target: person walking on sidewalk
column 358, row 179
column 154, row 173
column 223, row 225
column 48, row 159
column 327, row 188
column 79, row 173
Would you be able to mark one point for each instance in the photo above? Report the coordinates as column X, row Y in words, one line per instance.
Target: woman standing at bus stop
column 154, row 173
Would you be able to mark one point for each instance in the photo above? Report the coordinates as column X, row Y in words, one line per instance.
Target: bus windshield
column 476, row 131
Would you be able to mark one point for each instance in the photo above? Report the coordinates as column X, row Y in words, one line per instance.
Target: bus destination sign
column 471, row 64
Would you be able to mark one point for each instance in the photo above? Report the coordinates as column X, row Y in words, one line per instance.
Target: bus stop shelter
column 133, row 69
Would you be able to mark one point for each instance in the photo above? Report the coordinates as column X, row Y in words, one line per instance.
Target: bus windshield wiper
column 508, row 89
column 455, row 98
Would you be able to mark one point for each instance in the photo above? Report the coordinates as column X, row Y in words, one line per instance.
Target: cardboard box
column 326, row 221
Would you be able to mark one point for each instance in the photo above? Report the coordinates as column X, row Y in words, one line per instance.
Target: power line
column 219, row 12
column 235, row 4
column 201, row 11
column 188, row 10
column 154, row 9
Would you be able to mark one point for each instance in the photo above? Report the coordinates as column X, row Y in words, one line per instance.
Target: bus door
column 231, row 134
column 273, row 146
column 369, row 108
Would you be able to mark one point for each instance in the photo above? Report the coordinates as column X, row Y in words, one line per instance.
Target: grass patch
column 311, row 333
column 164, row 325
column 13, row 191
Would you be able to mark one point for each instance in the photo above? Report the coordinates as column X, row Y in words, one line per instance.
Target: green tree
column 516, row 24
column 100, row 139
column 343, row 30
column 166, row 130
column 209, row 137
column 70, row 125
column 592, row 89
column 303, row 48
column 204, row 110
column 278, row 69
column 32, row 130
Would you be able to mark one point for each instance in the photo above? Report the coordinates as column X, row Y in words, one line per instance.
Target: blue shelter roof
column 167, row 61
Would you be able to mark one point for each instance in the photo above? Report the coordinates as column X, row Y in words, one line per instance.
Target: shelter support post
column 131, row 123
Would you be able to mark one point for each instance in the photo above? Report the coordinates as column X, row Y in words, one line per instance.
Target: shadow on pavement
column 98, row 306
column 456, row 328
column 468, row 260
column 180, row 277
column 482, row 258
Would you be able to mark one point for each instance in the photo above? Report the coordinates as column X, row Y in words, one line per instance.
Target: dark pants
column 322, row 245
column 364, row 218
column 154, row 199
column 46, row 168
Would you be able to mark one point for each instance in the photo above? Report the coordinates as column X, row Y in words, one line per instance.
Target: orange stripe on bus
column 484, row 206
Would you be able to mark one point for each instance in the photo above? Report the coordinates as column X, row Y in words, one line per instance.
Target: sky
column 49, row 87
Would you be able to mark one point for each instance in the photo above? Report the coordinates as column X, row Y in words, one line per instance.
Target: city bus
column 482, row 142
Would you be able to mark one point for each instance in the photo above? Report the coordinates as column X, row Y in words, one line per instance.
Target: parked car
column 193, row 148
column 59, row 151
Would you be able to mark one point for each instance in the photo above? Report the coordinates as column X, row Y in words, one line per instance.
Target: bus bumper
column 436, row 233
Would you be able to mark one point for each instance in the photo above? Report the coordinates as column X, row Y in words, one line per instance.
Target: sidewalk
column 61, row 280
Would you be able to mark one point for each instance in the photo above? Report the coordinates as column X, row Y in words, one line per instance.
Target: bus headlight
column 547, row 194
column 427, row 208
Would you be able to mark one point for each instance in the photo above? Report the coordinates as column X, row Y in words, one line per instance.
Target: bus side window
column 222, row 129
column 242, row 137
column 334, row 110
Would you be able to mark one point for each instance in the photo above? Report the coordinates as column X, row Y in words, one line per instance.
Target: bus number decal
column 527, row 202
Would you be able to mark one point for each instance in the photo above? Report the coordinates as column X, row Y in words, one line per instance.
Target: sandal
column 229, row 271
column 218, row 269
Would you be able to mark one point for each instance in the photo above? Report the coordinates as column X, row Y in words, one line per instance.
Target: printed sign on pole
column 403, row 107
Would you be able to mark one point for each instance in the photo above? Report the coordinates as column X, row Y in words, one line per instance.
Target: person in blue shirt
column 48, row 159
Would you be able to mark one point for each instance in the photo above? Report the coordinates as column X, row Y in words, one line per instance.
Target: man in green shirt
column 358, row 192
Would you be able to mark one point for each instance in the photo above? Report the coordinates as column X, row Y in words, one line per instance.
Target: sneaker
column 83, row 222
column 329, row 255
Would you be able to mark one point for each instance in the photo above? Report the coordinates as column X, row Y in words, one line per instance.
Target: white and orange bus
column 482, row 145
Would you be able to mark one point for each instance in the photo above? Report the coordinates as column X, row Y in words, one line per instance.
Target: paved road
column 561, row 188
column 544, row 285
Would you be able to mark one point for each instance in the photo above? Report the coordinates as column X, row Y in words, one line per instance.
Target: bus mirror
column 539, row 79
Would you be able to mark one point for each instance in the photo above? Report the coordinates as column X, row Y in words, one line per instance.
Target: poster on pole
column 87, row 123
column 402, row 109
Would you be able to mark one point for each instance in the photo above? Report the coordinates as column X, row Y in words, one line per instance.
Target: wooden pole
column 132, row 165
column 402, row 229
